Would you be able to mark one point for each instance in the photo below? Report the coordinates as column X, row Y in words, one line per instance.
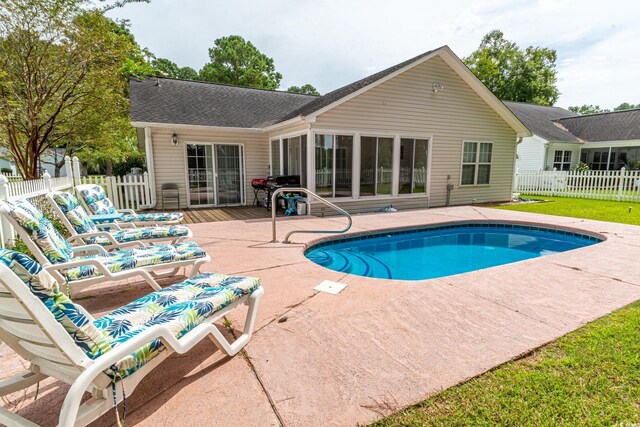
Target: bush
column 6, row 170
column 135, row 159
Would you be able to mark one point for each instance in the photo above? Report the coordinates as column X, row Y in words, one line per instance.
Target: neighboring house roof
column 540, row 120
column 170, row 101
column 164, row 100
column 613, row 126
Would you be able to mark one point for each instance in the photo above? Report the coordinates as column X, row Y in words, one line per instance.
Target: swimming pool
column 438, row 251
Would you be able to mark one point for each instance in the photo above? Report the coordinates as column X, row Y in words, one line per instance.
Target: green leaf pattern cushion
column 96, row 199
column 180, row 307
column 74, row 318
column 75, row 213
column 43, row 234
column 133, row 258
column 134, row 234
column 152, row 217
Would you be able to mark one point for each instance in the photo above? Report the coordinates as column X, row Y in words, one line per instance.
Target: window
column 413, row 166
column 476, row 163
column 275, row 157
column 294, row 157
column 562, row 160
column 334, row 160
column 376, row 171
column 600, row 159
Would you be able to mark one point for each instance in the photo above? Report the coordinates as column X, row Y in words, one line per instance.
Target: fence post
column 76, row 170
column 68, row 168
column 6, row 231
column 621, row 183
column 47, row 181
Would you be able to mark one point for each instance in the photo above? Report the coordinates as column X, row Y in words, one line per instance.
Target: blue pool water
column 430, row 252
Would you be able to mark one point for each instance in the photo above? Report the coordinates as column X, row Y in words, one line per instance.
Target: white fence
column 126, row 192
column 619, row 185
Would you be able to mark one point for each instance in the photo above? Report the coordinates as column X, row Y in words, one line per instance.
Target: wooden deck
column 232, row 213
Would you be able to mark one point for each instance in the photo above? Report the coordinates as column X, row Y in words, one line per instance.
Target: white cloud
column 331, row 43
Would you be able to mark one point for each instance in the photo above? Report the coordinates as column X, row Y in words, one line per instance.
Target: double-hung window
column 562, row 160
column 476, row 163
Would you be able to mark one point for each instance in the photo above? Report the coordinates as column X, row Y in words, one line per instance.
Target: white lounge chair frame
column 32, row 331
column 147, row 273
column 77, row 238
column 78, row 189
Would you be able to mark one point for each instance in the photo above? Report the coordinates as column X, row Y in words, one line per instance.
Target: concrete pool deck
column 320, row 359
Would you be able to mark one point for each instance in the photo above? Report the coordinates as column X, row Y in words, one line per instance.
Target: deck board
column 232, row 213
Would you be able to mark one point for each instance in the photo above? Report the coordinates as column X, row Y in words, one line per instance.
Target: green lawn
column 602, row 210
column 588, row 377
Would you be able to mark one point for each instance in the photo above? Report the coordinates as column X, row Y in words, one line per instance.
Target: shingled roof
column 613, row 126
column 539, row 119
column 164, row 100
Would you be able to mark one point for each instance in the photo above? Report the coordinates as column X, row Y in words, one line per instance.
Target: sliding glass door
column 215, row 174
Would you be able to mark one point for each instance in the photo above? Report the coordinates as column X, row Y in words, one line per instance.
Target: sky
column 330, row 43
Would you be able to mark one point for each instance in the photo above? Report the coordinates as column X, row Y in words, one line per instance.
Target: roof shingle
column 539, row 119
column 613, row 126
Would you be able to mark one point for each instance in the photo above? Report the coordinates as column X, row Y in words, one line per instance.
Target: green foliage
column 582, row 167
column 134, row 159
column 171, row 69
column 586, row 378
column 74, row 92
column 626, row 106
column 588, row 109
column 514, row 74
column 237, row 61
column 6, row 170
column 305, row 89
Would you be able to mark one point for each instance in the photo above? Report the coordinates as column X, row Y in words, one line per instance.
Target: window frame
column 562, row 161
column 334, row 135
column 476, row 163
column 427, row 177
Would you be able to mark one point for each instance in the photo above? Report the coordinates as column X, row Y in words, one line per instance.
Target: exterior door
column 215, row 175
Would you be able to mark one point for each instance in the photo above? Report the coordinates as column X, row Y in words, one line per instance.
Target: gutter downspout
column 519, row 140
column 148, row 151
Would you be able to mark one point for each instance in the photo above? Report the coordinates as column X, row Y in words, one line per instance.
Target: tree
column 588, row 109
column 170, row 69
column 626, row 106
column 237, row 61
column 514, row 74
column 65, row 80
column 306, row 90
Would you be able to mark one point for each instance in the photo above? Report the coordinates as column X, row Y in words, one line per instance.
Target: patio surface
column 319, row 359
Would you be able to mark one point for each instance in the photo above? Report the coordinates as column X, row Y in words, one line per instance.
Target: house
column 604, row 141
column 418, row 134
column 47, row 161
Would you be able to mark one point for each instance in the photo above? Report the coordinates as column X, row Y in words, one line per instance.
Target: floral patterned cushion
column 77, row 216
column 134, row 258
column 153, row 217
column 74, row 318
column 180, row 307
column 133, row 234
column 96, row 199
column 43, row 234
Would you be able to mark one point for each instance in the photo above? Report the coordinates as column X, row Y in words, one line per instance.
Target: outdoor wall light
column 437, row 87
column 174, row 139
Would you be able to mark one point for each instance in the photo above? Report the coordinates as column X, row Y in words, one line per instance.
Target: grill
column 258, row 184
column 275, row 182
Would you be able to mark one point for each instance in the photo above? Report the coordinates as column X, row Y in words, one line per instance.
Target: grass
column 589, row 377
column 601, row 210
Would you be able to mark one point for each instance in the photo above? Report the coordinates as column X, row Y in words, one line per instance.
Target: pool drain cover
column 333, row 288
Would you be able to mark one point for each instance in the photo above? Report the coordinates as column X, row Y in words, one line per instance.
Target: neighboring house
column 46, row 161
column 398, row 137
column 604, row 141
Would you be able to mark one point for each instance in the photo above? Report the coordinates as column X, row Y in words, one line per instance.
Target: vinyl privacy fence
column 619, row 185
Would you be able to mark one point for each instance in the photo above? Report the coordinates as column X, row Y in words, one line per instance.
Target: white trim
column 477, row 164
column 192, row 127
column 148, row 149
column 311, row 160
column 607, row 144
column 283, row 124
column 356, row 166
column 288, row 135
column 281, row 153
column 395, row 171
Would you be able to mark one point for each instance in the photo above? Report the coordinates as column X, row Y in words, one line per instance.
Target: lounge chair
column 85, row 231
column 112, row 354
column 67, row 264
column 95, row 200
